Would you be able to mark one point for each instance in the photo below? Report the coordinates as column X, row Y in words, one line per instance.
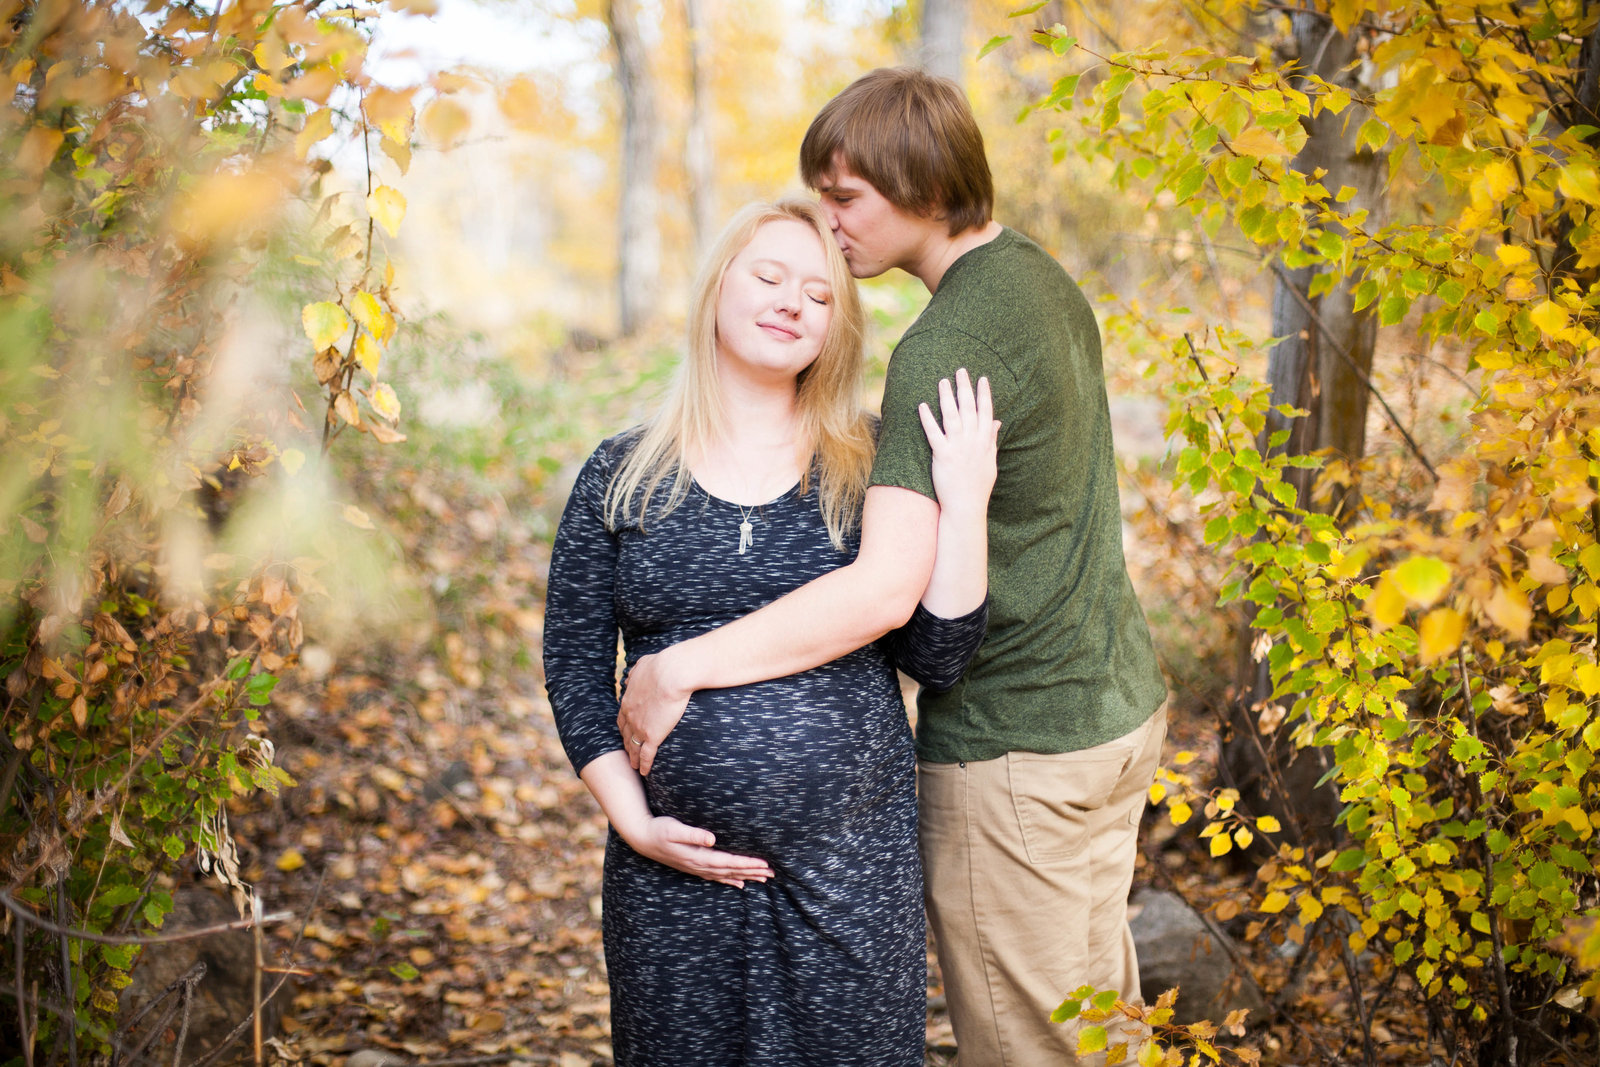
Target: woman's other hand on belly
column 690, row 850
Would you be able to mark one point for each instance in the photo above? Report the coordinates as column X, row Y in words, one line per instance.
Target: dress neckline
column 734, row 504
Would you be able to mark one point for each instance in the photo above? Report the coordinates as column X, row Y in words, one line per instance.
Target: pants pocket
column 1056, row 797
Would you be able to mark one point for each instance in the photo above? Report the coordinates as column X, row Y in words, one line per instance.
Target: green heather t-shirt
column 1067, row 661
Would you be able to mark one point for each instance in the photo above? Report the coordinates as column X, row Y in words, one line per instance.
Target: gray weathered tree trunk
column 944, row 30
column 698, row 156
column 1323, row 365
column 639, row 230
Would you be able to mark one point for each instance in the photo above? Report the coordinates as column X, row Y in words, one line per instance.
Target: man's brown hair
column 912, row 135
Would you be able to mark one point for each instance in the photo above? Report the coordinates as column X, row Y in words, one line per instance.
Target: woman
column 798, row 938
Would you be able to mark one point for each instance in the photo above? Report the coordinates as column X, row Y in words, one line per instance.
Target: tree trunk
column 639, row 231
column 944, row 29
column 697, row 153
column 1323, row 366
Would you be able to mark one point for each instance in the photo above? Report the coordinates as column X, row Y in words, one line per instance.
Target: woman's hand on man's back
column 965, row 441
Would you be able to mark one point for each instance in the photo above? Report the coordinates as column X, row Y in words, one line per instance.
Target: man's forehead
column 841, row 177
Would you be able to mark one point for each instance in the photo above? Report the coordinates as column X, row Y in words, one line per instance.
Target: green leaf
column 404, row 971
column 119, row 956
column 1393, row 309
column 1348, row 860
column 238, row 669
column 259, row 688
column 1022, row 11
column 1092, row 1039
column 994, row 42
column 117, row 896
column 1069, row 1010
column 1189, row 182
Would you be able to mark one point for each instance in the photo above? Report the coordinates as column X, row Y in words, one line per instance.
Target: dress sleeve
column 580, row 621
column 936, row 651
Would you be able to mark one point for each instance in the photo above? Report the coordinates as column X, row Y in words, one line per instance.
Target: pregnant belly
column 781, row 764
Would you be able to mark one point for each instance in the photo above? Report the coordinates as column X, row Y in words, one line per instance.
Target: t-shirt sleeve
column 904, row 458
column 580, row 621
column 934, row 650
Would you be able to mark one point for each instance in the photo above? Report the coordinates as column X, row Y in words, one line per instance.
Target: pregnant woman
column 762, row 894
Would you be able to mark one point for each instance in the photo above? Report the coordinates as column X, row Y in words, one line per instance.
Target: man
column 1032, row 771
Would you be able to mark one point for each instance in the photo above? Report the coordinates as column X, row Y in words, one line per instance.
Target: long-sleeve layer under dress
column 815, row 773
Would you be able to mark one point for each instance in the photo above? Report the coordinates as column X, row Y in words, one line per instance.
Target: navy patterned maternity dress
column 814, row 773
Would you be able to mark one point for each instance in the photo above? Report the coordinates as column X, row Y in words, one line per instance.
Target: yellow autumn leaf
column 325, row 323
column 368, row 354
column 319, row 124
column 445, row 121
column 519, row 102
column 345, row 405
column 1267, row 824
column 291, row 860
column 1512, row 255
column 1509, row 610
column 1158, row 792
column 1588, row 678
column 1422, row 580
column 356, row 517
column 1440, row 633
column 1275, row 902
column 1310, row 908
column 293, row 459
column 388, row 207
column 384, row 402
column 1549, row 317
column 399, row 152
column 368, row 312
column 1587, row 599
column 1221, row 845
column 1258, row 143
column 1387, row 604
column 1180, row 813
column 1242, row 837
column 38, row 150
column 1580, row 182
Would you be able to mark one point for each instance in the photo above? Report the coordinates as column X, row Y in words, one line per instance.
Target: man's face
column 873, row 233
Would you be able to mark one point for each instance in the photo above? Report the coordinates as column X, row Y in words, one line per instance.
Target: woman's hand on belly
column 687, row 849
column 620, row 791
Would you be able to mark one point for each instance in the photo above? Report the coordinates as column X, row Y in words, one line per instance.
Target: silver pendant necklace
column 746, row 531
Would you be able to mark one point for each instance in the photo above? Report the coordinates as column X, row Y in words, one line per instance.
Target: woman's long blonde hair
column 829, row 399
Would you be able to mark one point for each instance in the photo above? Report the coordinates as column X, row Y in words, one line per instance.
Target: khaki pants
column 1028, row 861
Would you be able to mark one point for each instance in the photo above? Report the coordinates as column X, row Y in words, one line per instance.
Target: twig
column 189, row 977
column 77, row 934
column 238, row 1031
column 255, row 977
column 1366, row 379
column 1363, row 1016
column 25, row 1032
column 1226, row 944
column 183, row 1031
column 1508, row 1019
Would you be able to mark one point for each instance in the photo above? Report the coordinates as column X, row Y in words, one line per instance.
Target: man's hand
column 652, row 704
column 687, row 849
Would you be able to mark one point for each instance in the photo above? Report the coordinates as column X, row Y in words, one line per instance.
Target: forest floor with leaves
column 443, row 862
